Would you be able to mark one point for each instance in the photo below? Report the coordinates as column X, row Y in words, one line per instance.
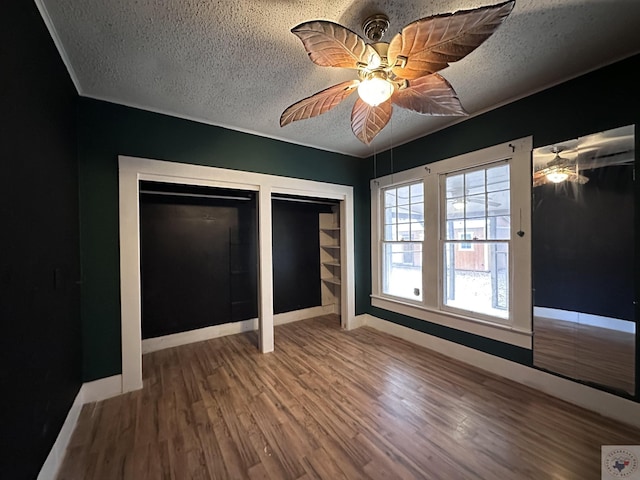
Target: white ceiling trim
column 58, row 43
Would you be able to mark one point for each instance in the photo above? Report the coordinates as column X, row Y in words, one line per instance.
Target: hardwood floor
column 331, row 404
column 593, row 354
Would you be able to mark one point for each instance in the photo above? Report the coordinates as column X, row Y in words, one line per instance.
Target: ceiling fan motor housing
column 375, row 27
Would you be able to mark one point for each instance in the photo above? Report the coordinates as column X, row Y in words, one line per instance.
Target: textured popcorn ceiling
column 236, row 63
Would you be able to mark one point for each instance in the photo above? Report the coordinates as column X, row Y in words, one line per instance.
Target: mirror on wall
column 583, row 257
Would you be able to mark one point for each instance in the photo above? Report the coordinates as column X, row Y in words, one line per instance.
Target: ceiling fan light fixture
column 402, row 72
column 375, row 89
column 557, row 175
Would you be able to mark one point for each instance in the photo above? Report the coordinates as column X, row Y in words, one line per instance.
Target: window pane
column 403, row 195
column 475, row 206
column 498, row 178
column 454, row 186
column 476, row 278
column 390, row 233
column 390, row 215
column 417, row 193
column 402, row 270
column 453, row 229
column 498, row 203
column 417, row 232
column 417, row 212
column 467, row 199
column 499, row 228
column 404, row 214
column 465, row 245
column 390, row 198
column 475, row 229
column 455, row 208
column 403, row 222
column 404, row 231
column 474, row 182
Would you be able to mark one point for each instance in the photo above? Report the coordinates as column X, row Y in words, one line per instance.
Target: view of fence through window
column 402, row 244
column 475, row 231
column 475, row 236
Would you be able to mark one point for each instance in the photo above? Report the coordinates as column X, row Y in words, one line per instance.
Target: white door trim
column 133, row 169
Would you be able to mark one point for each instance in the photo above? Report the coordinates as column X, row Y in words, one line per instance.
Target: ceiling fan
column 402, row 72
column 558, row 170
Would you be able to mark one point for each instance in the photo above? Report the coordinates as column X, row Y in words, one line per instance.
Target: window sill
column 495, row 331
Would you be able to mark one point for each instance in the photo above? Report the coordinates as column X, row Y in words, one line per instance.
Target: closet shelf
column 330, row 236
column 331, row 264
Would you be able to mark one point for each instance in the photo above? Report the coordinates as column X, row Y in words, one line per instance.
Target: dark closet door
column 189, row 258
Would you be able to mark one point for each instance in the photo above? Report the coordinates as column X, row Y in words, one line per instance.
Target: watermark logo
column 621, row 461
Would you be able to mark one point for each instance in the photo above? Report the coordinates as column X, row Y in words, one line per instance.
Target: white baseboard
column 360, row 321
column 288, row 317
column 89, row 392
column 183, row 338
column 604, row 403
column 101, row 389
column 51, row 465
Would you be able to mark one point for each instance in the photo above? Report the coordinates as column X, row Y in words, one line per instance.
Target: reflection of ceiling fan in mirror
column 559, row 169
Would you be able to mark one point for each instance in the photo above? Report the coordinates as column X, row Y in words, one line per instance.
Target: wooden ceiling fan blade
column 318, row 103
column 430, row 95
column 331, row 45
column 578, row 178
column 539, row 180
column 430, row 44
column 368, row 121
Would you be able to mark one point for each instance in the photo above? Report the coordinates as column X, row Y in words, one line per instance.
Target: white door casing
column 132, row 170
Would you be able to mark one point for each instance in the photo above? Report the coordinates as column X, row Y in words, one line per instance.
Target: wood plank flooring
column 593, row 354
column 331, row 404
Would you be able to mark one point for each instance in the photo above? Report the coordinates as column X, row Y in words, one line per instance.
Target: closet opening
column 306, row 256
column 135, row 173
column 198, row 257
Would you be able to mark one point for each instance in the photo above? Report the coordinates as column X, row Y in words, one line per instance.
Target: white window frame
column 443, row 241
column 385, row 242
column 518, row 329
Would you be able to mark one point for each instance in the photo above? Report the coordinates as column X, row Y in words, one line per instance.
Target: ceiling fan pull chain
column 520, row 232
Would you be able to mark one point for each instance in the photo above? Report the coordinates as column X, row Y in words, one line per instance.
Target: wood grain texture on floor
column 332, row 404
column 596, row 355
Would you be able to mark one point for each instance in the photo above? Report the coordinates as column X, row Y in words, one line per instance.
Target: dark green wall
column 597, row 101
column 604, row 99
column 108, row 130
column 40, row 345
column 601, row 100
